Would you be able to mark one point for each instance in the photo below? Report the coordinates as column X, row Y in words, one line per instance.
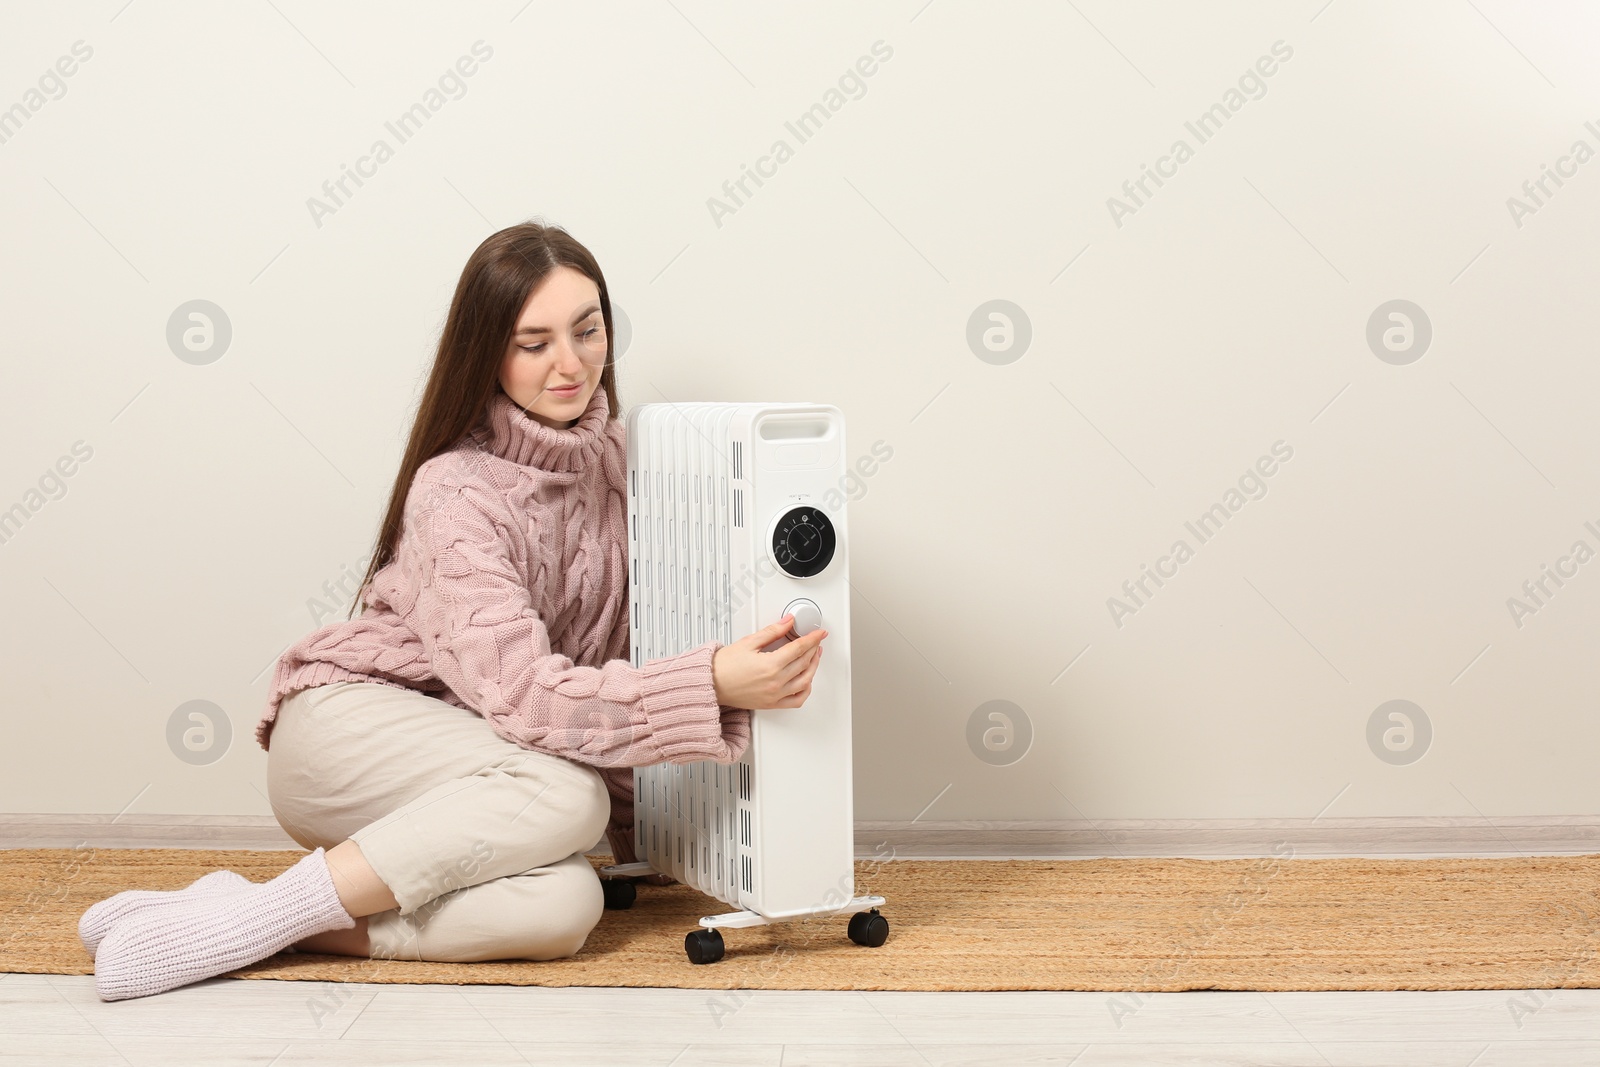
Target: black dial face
column 803, row 541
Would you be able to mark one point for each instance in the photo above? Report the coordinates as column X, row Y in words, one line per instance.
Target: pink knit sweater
column 508, row 595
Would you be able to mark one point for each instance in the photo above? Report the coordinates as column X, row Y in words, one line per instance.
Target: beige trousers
column 481, row 841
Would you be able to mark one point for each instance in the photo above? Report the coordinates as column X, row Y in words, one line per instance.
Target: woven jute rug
column 1134, row 925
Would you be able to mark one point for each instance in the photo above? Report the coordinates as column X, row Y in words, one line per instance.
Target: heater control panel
column 803, row 541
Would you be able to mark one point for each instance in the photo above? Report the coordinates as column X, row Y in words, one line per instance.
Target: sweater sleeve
column 475, row 617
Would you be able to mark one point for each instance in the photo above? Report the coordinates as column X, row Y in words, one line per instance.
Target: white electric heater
column 736, row 517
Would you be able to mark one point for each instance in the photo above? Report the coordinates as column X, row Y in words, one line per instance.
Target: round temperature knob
column 807, row 616
column 803, row 541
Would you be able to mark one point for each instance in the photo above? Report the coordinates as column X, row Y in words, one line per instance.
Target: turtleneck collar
column 519, row 437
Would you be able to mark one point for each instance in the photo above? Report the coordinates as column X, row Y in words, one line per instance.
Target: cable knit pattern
column 508, row 595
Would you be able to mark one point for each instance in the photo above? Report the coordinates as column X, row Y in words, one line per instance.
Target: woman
column 449, row 754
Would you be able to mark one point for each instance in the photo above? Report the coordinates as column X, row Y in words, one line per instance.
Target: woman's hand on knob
column 747, row 677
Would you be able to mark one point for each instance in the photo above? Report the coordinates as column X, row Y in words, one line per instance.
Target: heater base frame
column 737, row 919
column 729, row 920
column 626, row 870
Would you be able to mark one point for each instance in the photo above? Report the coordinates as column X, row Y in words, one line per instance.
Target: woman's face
column 559, row 340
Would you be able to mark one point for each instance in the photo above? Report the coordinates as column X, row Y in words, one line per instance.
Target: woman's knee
column 598, row 808
column 576, row 904
column 589, row 807
column 543, row 914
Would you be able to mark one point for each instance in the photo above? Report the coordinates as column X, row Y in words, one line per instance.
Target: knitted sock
column 99, row 919
column 203, row 936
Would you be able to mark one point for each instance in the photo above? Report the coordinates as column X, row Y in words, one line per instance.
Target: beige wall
column 1171, row 349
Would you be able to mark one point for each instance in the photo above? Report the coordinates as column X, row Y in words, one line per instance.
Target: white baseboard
column 1232, row 838
column 961, row 839
column 143, row 831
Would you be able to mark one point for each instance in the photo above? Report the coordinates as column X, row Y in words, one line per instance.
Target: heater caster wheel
column 620, row 895
column 703, row 946
column 869, row 928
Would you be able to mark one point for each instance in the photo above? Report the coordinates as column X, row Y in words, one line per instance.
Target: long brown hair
column 495, row 284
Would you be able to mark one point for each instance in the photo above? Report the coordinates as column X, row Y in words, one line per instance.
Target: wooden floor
column 57, row 1019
